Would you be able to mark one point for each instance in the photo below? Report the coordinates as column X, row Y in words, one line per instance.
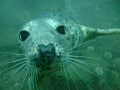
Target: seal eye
column 61, row 30
column 23, row 35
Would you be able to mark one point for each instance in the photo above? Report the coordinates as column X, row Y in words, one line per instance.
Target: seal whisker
column 52, row 6
column 85, row 57
column 71, row 75
column 35, row 79
column 12, row 53
column 26, row 66
column 73, row 59
column 30, row 80
column 14, row 61
column 80, row 45
column 24, row 10
column 24, row 77
column 79, row 51
column 66, row 76
column 13, row 66
column 12, row 74
column 20, row 19
column 80, row 61
column 98, row 71
column 87, row 70
column 60, row 11
column 81, row 76
column 91, row 65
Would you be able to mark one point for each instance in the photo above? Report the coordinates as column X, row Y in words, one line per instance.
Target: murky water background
column 93, row 13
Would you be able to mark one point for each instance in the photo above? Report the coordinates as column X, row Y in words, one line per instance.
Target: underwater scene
column 59, row 44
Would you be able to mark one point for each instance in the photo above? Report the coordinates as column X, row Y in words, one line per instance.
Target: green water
column 92, row 13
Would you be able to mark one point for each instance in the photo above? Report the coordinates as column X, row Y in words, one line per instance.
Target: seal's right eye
column 23, row 35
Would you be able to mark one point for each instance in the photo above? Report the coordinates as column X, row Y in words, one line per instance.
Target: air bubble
column 90, row 48
column 99, row 71
column 108, row 55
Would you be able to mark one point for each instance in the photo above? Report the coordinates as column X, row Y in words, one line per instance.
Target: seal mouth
column 45, row 57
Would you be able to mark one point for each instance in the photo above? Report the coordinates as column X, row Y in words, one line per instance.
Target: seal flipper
column 90, row 33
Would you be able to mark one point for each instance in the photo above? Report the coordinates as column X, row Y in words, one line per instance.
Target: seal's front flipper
column 90, row 33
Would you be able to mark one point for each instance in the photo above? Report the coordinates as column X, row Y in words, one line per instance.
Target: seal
column 48, row 43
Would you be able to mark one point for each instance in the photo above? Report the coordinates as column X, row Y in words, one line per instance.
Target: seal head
column 44, row 41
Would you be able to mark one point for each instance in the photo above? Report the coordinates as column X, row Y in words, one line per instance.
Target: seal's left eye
column 61, row 29
column 23, row 35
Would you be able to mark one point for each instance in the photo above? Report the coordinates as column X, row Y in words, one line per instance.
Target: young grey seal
column 47, row 44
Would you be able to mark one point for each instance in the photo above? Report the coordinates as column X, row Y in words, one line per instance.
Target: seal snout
column 46, row 55
column 46, row 52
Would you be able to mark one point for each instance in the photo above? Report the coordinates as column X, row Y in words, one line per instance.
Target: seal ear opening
column 23, row 35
